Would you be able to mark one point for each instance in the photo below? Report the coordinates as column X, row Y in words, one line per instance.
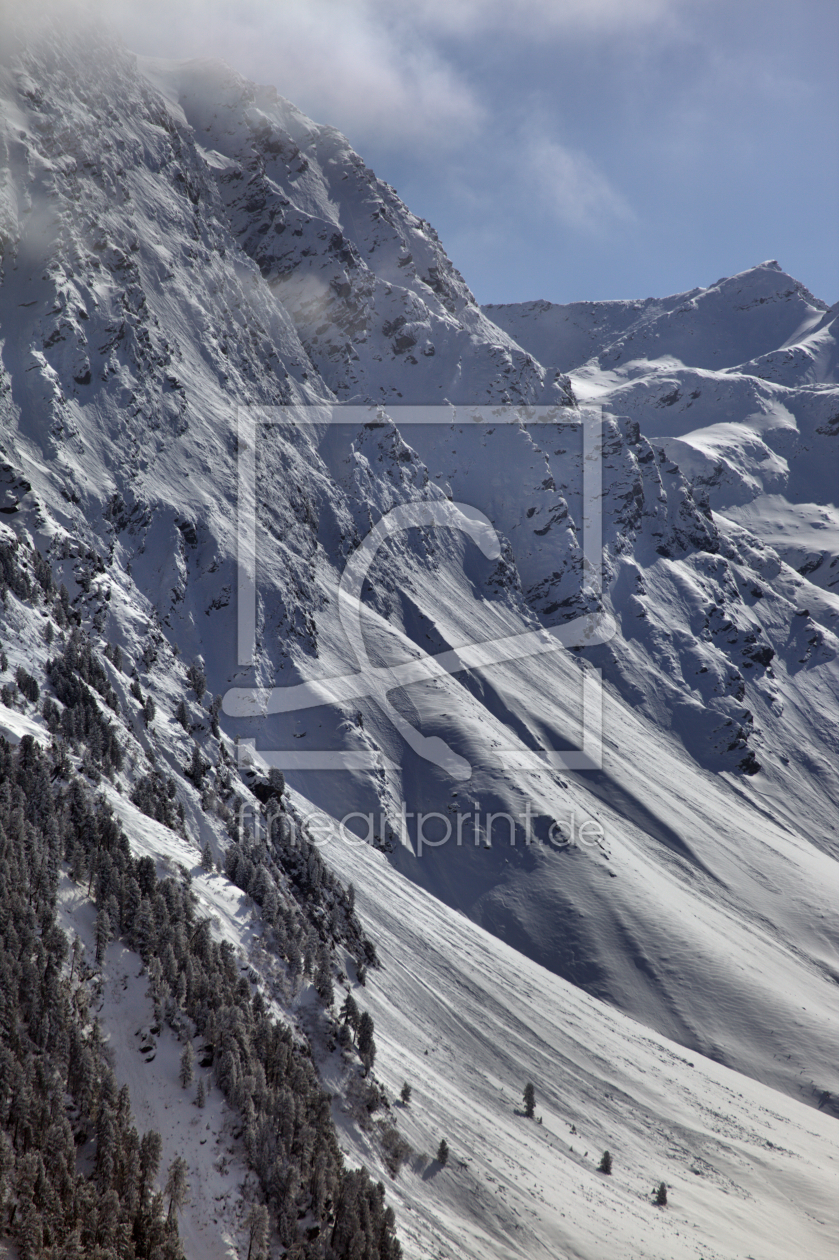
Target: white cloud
column 538, row 19
column 570, row 186
column 341, row 61
column 371, row 67
column 380, row 73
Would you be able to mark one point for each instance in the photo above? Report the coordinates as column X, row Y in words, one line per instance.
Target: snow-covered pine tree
column 186, row 1072
column 366, row 1044
column 176, row 1189
column 350, row 1013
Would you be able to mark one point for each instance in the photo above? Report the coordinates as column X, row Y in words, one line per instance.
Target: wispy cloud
column 386, row 75
column 372, row 67
column 538, row 19
column 342, row 61
column 570, row 186
column 636, row 125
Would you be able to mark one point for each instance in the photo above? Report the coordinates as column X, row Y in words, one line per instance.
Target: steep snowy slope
column 468, row 1022
column 179, row 246
column 201, row 964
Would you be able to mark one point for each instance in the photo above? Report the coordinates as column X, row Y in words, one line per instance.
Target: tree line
column 51, row 820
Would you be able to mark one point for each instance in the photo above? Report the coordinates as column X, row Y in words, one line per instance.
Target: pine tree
column 605, row 1165
column 323, row 980
column 77, row 952
column 181, row 714
column 406, row 1094
column 197, row 679
column 366, row 1044
column 151, row 1146
column 661, row 1195
column 177, row 1188
column 186, row 1074
column 443, row 1153
column 200, row 1093
column 197, row 767
column 349, row 1012
column 207, row 858
column 103, row 934
column 257, row 1227
column 529, row 1100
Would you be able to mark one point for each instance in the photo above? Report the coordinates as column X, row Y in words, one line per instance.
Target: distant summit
column 737, row 319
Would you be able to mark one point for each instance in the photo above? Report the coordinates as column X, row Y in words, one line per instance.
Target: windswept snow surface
column 467, row 1021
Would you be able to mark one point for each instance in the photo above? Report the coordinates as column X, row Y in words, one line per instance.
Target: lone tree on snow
column 406, row 1094
column 661, row 1195
column 605, row 1165
column 443, row 1153
column 529, row 1100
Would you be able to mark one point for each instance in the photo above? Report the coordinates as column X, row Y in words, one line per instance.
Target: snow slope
column 468, row 1022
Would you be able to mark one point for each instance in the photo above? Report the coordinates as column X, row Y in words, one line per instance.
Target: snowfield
column 468, row 1021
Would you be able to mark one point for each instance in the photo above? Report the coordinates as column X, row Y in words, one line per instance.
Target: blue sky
column 564, row 149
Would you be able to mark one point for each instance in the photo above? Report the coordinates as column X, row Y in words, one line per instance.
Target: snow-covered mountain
column 182, row 248
column 737, row 381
